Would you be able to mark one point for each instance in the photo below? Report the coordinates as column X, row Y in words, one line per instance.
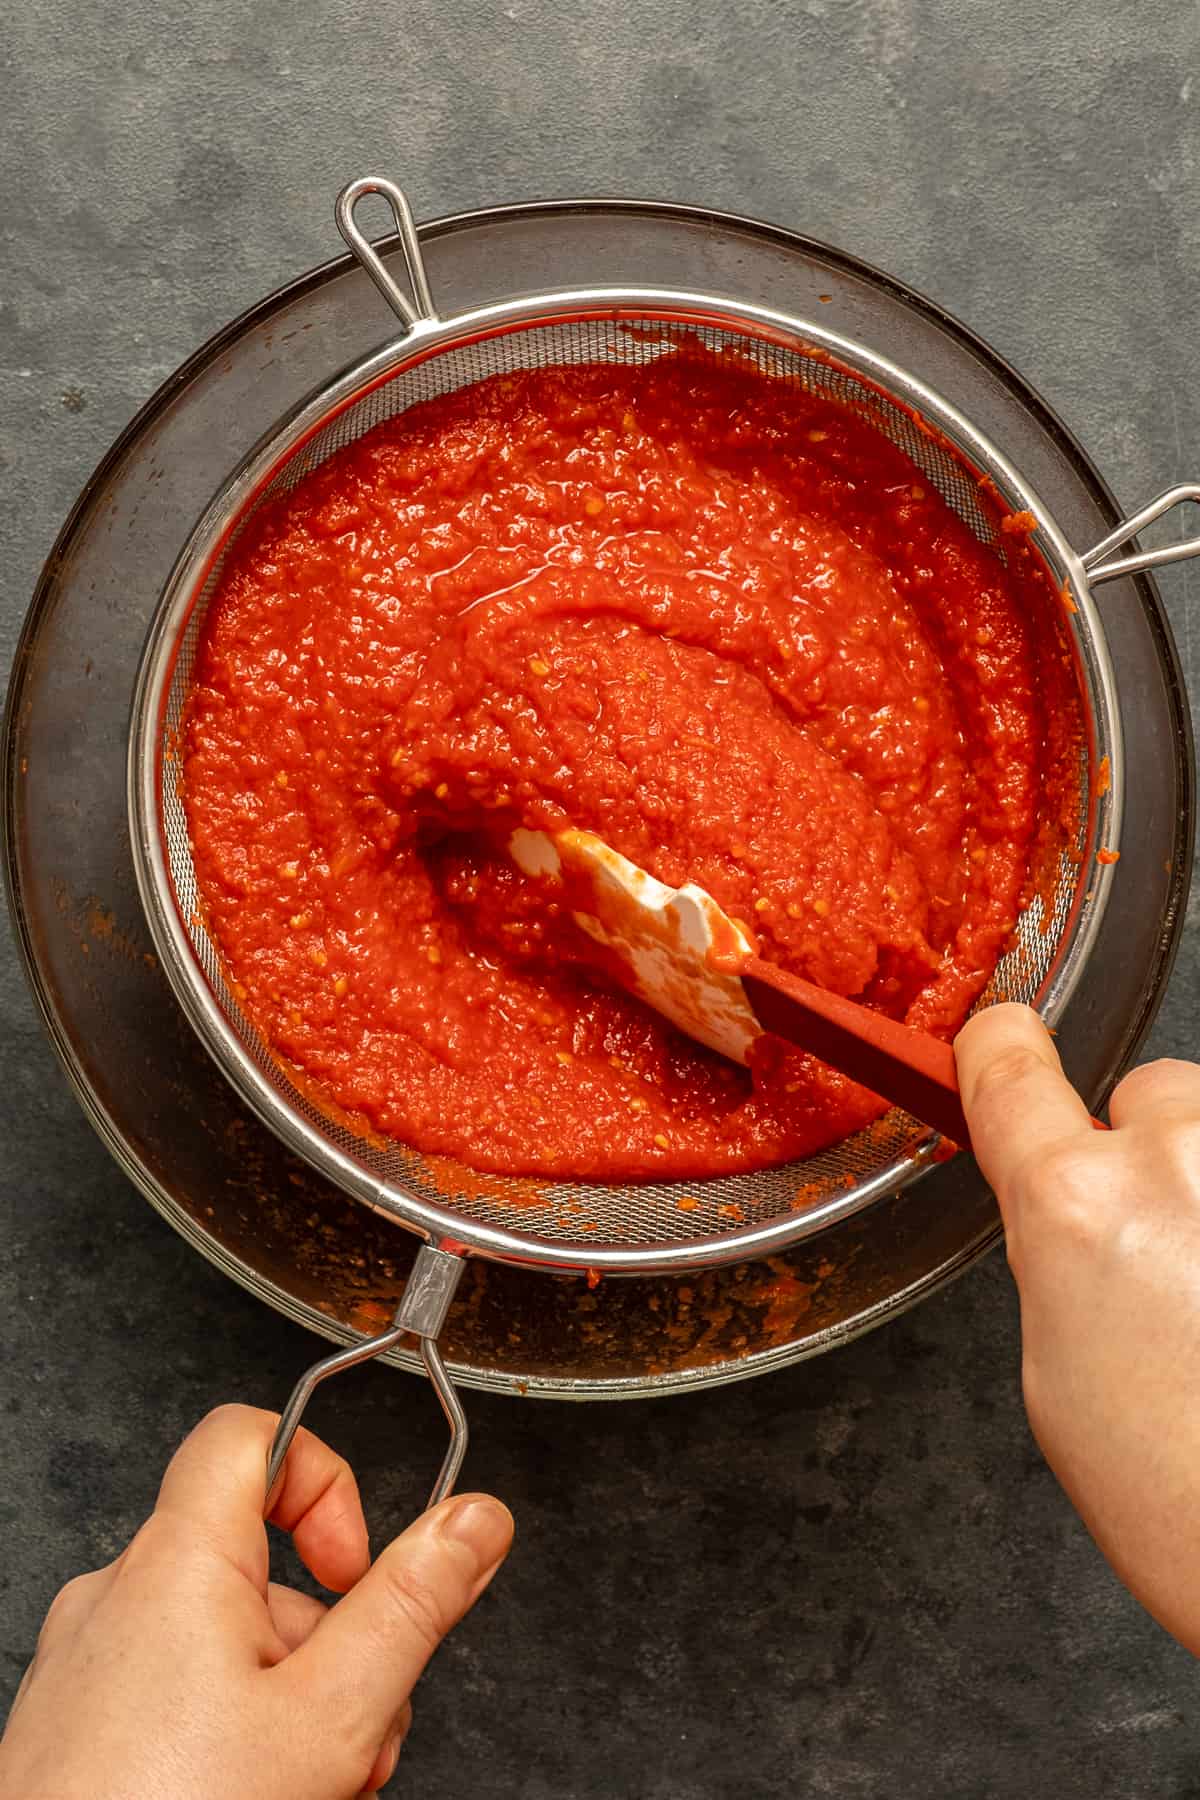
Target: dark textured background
column 855, row 1578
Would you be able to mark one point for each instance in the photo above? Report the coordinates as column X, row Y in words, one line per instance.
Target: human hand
column 179, row 1672
column 1104, row 1241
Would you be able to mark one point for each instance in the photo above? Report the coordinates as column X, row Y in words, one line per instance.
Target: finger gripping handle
column 422, row 1312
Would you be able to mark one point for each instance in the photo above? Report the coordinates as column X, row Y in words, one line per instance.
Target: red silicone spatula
column 677, row 950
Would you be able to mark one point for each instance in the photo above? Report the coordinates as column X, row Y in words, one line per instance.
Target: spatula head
column 672, row 947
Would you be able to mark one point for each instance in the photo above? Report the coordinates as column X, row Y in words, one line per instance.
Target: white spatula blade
column 664, row 938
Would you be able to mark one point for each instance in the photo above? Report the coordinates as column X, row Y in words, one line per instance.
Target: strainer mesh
column 642, row 1213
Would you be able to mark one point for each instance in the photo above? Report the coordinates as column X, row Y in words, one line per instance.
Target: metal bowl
column 205, row 1162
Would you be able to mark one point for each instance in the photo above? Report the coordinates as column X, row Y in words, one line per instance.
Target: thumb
column 366, row 1655
column 1018, row 1102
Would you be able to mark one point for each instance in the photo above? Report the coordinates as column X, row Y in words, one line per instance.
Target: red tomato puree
column 721, row 623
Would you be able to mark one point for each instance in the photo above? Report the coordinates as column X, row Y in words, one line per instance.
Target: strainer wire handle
column 423, row 311
column 1101, row 565
column 422, row 1312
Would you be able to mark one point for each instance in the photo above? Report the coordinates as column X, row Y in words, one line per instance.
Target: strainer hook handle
column 422, row 1312
column 1101, row 565
column 419, row 309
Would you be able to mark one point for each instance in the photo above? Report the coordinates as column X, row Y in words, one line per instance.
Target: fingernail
column 481, row 1525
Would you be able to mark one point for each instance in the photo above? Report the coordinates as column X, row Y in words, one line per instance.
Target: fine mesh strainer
column 638, row 1228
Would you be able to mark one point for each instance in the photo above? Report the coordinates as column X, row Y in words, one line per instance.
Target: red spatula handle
column 907, row 1067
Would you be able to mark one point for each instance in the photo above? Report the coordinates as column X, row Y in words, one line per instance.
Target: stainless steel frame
column 448, row 1235
column 264, row 1219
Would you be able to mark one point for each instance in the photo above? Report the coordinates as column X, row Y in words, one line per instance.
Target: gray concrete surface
column 856, row 1578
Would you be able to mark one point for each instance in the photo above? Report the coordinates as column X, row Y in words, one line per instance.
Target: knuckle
column 1062, row 1170
column 1007, row 1069
column 1169, row 1174
column 160, row 1542
column 418, row 1603
column 145, row 1542
column 1168, row 1078
column 1060, row 1190
column 230, row 1426
column 226, row 1430
column 231, row 1415
column 1075, row 1222
column 72, row 1600
column 1181, row 1140
column 64, row 1606
column 338, row 1473
column 1163, row 1068
column 1084, row 1209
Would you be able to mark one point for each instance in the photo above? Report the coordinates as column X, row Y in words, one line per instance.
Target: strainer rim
column 248, row 480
